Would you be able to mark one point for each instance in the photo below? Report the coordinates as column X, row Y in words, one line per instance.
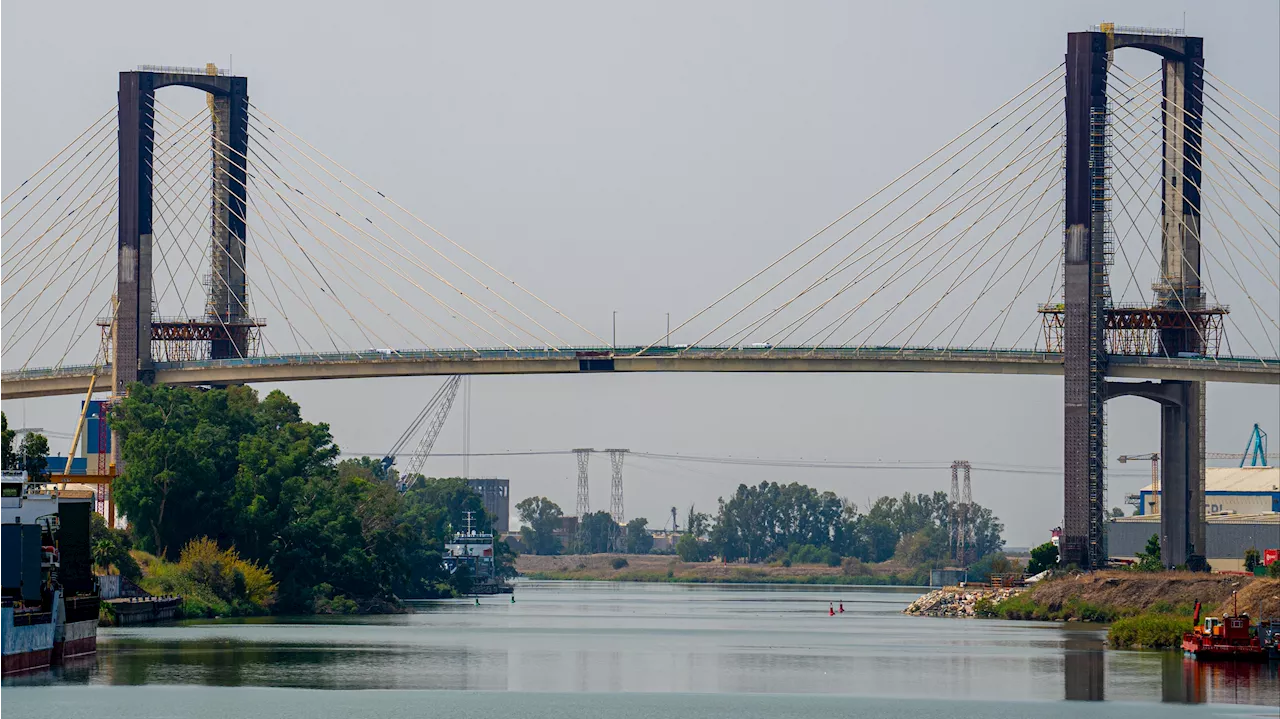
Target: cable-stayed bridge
column 1133, row 236
column 564, row 360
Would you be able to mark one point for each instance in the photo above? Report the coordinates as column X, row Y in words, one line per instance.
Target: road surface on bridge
column 411, row 363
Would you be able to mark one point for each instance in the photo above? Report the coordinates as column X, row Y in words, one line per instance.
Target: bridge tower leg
column 228, row 303
column 132, row 342
column 1182, row 518
column 1084, row 297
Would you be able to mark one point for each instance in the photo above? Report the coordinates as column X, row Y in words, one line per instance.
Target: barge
column 49, row 604
column 1231, row 636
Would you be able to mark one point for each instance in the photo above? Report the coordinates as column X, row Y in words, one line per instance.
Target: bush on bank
column 211, row 581
column 1148, row 631
column 1023, row 606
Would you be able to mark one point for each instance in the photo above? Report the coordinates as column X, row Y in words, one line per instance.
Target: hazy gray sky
column 643, row 158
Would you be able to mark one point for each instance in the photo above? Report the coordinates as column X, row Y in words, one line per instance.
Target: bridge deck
column 406, row 363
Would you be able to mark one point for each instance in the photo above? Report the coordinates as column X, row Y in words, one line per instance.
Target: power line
column 789, row 463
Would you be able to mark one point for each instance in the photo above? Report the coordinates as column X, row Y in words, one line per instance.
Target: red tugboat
column 1230, row 636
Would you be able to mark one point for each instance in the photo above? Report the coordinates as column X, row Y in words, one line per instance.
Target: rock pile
column 956, row 601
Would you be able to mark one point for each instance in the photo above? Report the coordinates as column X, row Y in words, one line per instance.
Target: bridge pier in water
column 1087, row 297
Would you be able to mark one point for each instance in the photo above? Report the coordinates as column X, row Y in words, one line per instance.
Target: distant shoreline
column 669, row 569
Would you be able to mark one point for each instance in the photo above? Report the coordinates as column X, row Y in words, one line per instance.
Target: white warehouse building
column 1228, row 490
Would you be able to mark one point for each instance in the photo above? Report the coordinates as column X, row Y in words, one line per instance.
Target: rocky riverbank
column 1107, row 596
column 957, row 601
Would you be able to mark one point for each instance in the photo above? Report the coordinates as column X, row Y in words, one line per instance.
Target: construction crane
column 1257, row 446
column 432, row 416
column 1255, row 452
column 1134, row 499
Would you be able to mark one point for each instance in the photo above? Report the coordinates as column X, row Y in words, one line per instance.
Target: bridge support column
column 1084, row 298
column 228, row 303
column 1182, row 513
column 1182, row 521
column 131, row 346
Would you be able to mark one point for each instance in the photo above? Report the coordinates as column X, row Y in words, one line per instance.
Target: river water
column 568, row 649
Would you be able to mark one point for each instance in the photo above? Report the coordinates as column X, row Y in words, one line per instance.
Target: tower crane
column 1134, row 499
column 432, row 416
column 1255, row 452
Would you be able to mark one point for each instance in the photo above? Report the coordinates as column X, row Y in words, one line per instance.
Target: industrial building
column 1242, row 511
column 496, row 494
column 1227, row 537
column 1229, row 490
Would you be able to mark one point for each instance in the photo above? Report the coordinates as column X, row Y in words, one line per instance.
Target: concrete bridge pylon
column 1087, row 246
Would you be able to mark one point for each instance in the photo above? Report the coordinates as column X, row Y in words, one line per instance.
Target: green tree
column 639, row 541
column 809, row 554
column 253, row 476
column 757, row 521
column 1149, row 558
column 595, row 533
column 504, row 560
column 922, row 547
column 1043, row 557
column 274, row 461
column 358, row 467
column 987, row 531
column 1252, row 558
column 540, row 518
column 877, row 537
column 8, row 460
column 690, row 549
column 455, row 499
column 110, row 549
column 992, row 564
column 35, row 455
column 374, row 467
column 180, row 450
column 697, row 523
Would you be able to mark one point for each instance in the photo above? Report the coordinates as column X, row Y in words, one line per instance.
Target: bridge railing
column 462, row 354
column 482, row 354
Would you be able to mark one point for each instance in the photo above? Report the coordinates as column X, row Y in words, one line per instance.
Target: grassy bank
column 1148, row 631
column 1111, row 596
column 659, row 568
column 1150, row 611
column 1074, row 609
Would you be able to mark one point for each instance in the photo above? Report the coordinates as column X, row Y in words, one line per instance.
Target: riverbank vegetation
column 1145, row 609
column 1148, row 631
column 212, row 582
column 762, row 529
column 667, row 568
column 237, row 474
